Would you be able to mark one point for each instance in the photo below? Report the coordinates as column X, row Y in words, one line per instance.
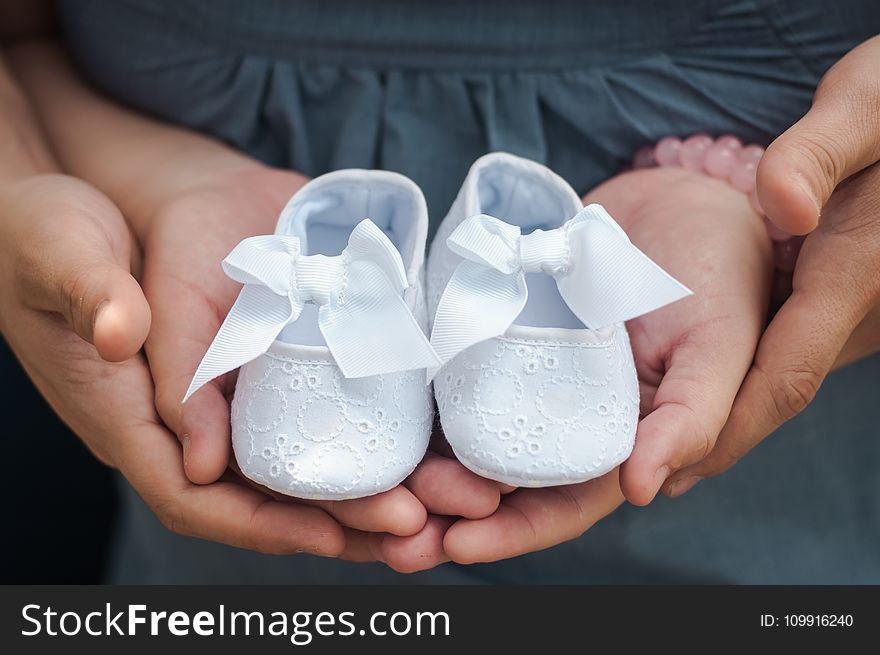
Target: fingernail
column 185, row 441
column 684, row 485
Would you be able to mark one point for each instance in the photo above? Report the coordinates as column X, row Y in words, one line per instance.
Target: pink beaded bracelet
column 725, row 158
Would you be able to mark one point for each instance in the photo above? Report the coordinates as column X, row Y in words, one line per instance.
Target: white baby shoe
column 538, row 385
column 329, row 331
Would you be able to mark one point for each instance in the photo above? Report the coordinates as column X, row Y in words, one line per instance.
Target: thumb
column 688, row 410
column 103, row 304
column 81, row 270
column 838, row 136
column 795, row 354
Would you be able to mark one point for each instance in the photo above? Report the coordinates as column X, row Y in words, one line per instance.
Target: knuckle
column 794, row 391
column 74, row 291
column 826, row 153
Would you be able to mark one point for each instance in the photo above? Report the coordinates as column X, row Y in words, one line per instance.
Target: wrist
column 728, row 160
column 23, row 149
column 23, row 153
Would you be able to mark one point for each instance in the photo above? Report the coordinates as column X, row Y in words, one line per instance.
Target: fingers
column 446, row 487
column 74, row 260
column 864, row 341
column 121, row 315
column 203, row 424
column 533, row 519
column 189, row 303
column 794, row 356
column 184, row 323
column 835, row 286
column 839, row 136
column 396, row 511
column 419, row 552
column 226, row 511
column 101, row 302
column 358, row 546
column 235, row 515
column 690, row 406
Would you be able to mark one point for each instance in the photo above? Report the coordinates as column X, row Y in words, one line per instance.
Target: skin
column 191, row 199
column 77, row 287
column 691, row 356
column 165, row 181
column 820, row 177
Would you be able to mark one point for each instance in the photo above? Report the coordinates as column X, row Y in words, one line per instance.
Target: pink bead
column 719, row 160
column 755, row 203
column 775, row 233
column 667, row 150
column 751, row 154
column 785, row 254
column 781, row 287
column 729, row 141
column 644, row 157
column 742, row 176
column 693, row 150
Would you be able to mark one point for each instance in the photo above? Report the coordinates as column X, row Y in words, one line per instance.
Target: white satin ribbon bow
column 366, row 324
column 601, row 276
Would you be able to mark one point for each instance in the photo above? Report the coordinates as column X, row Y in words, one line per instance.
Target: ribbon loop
column 363, row 318
column 486, row 240
column 602, row 277
column 263, row 260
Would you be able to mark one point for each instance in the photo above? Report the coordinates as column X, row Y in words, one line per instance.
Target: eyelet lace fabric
column 537, row 412
column 534, row 412
column 302, row 429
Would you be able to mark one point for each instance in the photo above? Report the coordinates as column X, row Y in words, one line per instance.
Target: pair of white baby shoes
column 531, row 363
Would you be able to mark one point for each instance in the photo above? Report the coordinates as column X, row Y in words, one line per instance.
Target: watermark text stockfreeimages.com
column 300, row 627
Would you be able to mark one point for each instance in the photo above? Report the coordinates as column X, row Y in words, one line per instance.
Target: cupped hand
column 826, row 163
column 187, row 238
column 65, row 284
column 691, row 356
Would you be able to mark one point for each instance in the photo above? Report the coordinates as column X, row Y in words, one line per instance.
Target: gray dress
column 424, row 88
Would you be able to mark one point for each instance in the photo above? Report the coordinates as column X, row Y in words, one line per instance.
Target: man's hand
column 827, row 161
column 65, row 283
column 190, row 200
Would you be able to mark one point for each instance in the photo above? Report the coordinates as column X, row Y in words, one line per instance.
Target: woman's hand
column 691, row 356
column 184, row 244
column 186, row 239
column 828, row 162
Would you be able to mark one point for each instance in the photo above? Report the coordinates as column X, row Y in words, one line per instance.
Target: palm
column 691, row 356
column 190, row 297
